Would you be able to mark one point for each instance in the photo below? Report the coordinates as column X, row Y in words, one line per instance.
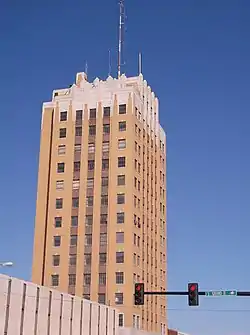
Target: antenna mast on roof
column 121, row 28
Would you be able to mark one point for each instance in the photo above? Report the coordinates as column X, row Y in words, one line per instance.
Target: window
column 73, row 240
column 105, row 164
column 104, row 219
column 92, row 130
column 119, row 298
column 59, row 203
column 78, row 131
column 120, row 217
column 88, row 239
column 63, row 116
column 76, row 184
column 75, row 202
column 106, row 111
column 62, row 132
column 90, row 201
column 102, row 298
column 79, row 115
column 103, row 239
column 56, row 260
column 74, row 221
column 105, row 181
column 72, row 279
column 119, row 277
column 104, row 200
column 77, row 166
column 55, row 280
column 72, row 260
column 105, row 146
column 91, row 165
column 102, row 278
column 122, row 126
column 122, row 109
column 87, row 279
column 119, row 237
column 121, row 320
column 87, row 259
column 121, row 179
column 121, row 162
column 59, row 184
column 119, row 257
column 121, row 143
column 58, row 222
column 91, row 148
column 92, row 113
column 57, row 241
column 77, row 147
column 102, row 258
column 88, row 220
column 90, row 182
column 121, row 198
column 106, row 128
column 60, row 167
column 61, row 149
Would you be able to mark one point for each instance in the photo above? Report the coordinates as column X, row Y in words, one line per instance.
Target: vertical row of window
column 76, row 184
column 151, row 190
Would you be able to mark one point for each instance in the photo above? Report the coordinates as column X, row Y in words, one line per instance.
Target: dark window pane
column 78, row 131
column 60, row 167
column 62, row 132
column 63, row 116
column 122, row 126
column 92, row 113
column 74, row 221
column 59, row 203
column 122, row 109
column 106, row 111
column 78, row 115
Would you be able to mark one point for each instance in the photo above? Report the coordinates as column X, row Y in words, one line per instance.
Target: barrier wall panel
column 86, row 317
column 30, row 309
column 66, row 315
column 15, row 307
column 4, row 282
column 43, row 309
column 55, row 312
column 94, row 319
column 76, row 316
column 102, row 328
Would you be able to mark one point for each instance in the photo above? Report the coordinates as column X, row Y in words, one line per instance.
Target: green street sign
column 220, row 293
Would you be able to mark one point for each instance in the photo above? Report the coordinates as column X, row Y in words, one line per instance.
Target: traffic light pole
column 239, row 293
column 193, row 293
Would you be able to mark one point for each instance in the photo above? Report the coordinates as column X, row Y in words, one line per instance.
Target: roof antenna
column 110, row 65
column 86, row 70
column 140, row 63
column 121, row 27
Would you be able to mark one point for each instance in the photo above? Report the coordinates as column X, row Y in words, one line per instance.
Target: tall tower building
column 101, row 199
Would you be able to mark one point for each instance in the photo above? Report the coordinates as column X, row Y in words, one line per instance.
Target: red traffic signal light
column 139, row 294
column 193, row 294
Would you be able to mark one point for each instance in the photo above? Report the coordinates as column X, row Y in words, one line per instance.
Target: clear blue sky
column 196, row 58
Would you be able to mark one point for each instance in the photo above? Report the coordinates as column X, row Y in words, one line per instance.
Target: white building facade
column 30, row 309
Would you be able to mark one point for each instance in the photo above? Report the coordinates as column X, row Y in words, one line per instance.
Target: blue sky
column 196, row 58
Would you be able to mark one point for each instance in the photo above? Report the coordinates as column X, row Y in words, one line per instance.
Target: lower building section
column 30, row 309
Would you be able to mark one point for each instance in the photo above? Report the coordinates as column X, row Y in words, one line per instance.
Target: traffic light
column 193, row 294
column 139, row 294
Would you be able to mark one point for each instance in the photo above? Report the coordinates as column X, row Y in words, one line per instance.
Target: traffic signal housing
column 193, row 294
column 139, row 294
